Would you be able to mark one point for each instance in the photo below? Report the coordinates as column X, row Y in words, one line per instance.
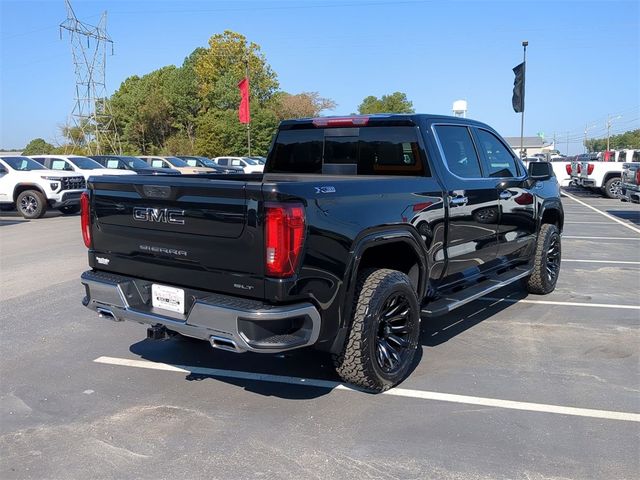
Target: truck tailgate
column 189, row 231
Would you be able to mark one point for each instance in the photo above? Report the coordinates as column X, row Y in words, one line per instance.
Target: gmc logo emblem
column 158, row 215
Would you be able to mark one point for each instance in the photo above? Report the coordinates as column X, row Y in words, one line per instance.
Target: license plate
column 167, row 298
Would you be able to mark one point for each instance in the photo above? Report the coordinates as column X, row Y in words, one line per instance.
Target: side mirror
column 540, row 171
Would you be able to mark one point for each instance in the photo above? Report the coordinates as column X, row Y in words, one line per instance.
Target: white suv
column 33, row 188
column 84, row 166
column 249, row 165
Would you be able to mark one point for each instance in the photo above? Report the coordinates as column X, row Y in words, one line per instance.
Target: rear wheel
column 384, row 333
column 31, row 204
column 612, row 187
column 546, row 268
column 70, row 209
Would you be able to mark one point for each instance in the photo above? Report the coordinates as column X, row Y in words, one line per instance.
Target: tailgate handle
column 156, row 191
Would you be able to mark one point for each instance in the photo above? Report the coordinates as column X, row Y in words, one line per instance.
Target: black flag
column 518, row 89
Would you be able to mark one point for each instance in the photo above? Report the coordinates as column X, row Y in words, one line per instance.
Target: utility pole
column 609, row 122
column 567, row 143
column 554, row 142
column 91, row 114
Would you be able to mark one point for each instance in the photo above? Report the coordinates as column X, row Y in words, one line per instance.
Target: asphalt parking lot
column 507, row 387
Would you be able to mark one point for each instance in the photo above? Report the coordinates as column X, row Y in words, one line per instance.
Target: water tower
column 460, row 108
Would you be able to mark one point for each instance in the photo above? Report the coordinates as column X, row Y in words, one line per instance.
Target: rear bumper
column 229, row 323
column 630, row 194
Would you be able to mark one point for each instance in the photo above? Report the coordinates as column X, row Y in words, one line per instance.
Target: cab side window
column 223, row 161
column 60, row 165
column 459, row 152
column 498, row 157
column 157, row 163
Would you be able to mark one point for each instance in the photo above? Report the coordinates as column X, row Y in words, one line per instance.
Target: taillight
column 85, row 219
column 568, row 168
column 590, row 168
column 638, row 176
column 340, row 121
column 284, row 237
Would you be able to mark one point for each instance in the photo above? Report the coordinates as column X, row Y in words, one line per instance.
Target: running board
column 469, row 294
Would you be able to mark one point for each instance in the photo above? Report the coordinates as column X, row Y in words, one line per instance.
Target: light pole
column 524, row 72
column 609, row 122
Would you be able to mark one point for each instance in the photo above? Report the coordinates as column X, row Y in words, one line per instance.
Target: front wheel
column 612, row 187
column 546, row 267
column 31, row 204
column 384, row 333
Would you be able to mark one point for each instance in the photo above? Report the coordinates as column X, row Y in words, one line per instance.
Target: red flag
column 243, row 112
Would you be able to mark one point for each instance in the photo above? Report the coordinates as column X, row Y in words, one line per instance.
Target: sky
column 583, row 59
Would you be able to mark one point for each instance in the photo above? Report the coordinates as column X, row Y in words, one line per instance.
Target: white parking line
column 562, row 304
column 622, row 262
column 397, row 392
column 610, row 217
column 588, row 223
column 576, row 237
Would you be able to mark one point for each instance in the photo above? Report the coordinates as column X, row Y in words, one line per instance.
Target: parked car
column 174, row 163
column 322, row 249
column 84, row 166
column 247, row 164
column 195, row 161
column 122, row 162
column 33, row 189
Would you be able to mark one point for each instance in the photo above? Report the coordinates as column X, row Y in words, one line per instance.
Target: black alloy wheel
column 394, row 331
column 553, row 258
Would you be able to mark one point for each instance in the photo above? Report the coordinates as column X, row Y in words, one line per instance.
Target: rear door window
column 157, row 163
column 459, row 152
column 57, row 164
column 498, row 158
column 113, row 163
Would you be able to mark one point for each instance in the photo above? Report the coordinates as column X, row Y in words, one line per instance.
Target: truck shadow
column 632, row 216
column 309, row 364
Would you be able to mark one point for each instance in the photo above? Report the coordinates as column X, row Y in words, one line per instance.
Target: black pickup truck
column 358, row 228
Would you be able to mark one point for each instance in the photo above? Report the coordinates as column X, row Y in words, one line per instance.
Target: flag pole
column 249, row 122
column 524, row 79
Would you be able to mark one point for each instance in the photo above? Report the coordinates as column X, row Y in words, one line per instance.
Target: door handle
column 458, row 201
column 505, row 195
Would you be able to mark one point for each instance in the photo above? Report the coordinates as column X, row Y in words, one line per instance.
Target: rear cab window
column 459, row 151
column 371, row 150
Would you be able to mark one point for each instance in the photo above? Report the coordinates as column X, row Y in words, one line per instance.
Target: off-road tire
column 357, row 364
column 609, row 186
column 539, row 282
column 69, row 209
column 31, row 204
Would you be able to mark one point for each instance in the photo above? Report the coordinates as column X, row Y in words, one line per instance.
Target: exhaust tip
column 106, row 313
column 223, row 343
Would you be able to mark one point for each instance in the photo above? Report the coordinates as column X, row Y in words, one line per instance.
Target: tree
column 301, row 105
column 37, row 146
column 219, row 133
column 629, row 139
column 220, row 67
column 397, row 102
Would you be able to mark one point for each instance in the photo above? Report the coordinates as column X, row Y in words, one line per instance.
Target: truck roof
column 379, row 119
